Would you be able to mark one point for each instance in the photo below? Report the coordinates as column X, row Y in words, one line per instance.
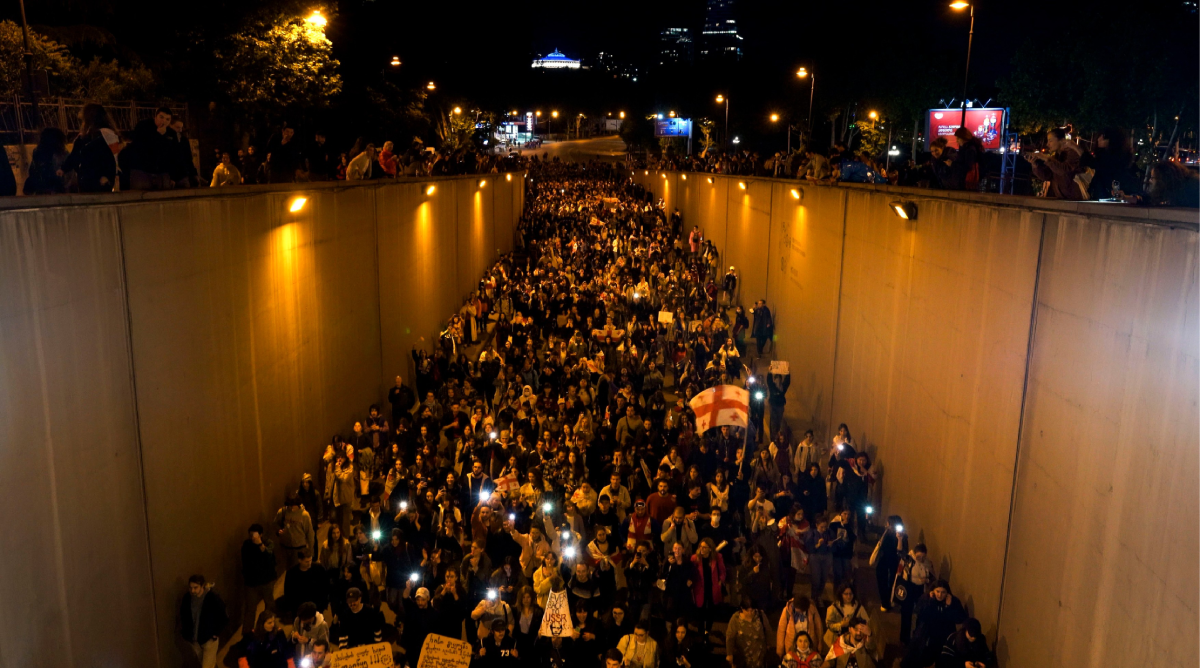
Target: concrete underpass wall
column 918, row 335
column 1102, row 568
column 74, row 560
column 215, row 341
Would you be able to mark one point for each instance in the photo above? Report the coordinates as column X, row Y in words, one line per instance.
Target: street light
column 720, row 99
column 774, row 118
column 317, row 20
column 431, row 86
column 554, row 114
column 959, row 5
column 458, row 110
column 395, row 61
column 805, row 73
column 872, row 115
column 671, row 114
column 621, row 114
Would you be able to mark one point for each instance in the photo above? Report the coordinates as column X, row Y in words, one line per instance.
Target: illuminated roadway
column 610, row 148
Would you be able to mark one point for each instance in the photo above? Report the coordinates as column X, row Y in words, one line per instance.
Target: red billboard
column 987, row 124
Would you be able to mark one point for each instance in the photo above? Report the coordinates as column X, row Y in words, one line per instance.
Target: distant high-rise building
column 720, row 39
column 677, row 47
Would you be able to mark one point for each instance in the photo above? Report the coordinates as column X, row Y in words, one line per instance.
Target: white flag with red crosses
column 719, row 406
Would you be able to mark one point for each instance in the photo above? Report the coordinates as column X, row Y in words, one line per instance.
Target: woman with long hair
column 527, row 620
column 846, row 607
column 46, row 168
column 93, row 157
column 718, row 491
column 270, row 647
column 335, row 552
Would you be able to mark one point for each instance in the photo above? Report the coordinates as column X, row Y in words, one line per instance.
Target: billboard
column 987, row 124
column 673, row 127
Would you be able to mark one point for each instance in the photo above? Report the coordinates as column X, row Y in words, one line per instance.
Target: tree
column 455, row 130
column 707, row 141
column 637, row 133
column 277, row 62
column 98, row 80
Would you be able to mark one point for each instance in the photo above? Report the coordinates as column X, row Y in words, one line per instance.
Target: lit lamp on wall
column 297, row 204
column 905, row 210
column 430, row 189
column 482, row 182
column 796, row 194
column 742, row 185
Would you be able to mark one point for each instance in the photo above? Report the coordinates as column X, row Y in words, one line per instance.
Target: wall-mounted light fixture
column 683, row 176
column 905, row 210
column 796, row 194
column 482, row 182
column 508, row 177
column 710, row 179
column 297, row 204
column 430, row 189
column 742, row 185
column 664, row 175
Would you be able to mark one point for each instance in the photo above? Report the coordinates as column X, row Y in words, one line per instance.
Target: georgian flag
column 721, row 405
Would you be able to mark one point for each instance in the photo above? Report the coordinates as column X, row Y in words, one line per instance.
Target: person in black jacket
column 180, row 165
column 93, row 155
column 46, row 168
column 258, row 574
column 146, row 162
column 306, row 582
column 892, row 548
column 202, row 618
column 402, row 399
column 359, row 624
column 498, row 649
column 777, row 387
column 938, row 613
column 966, row 647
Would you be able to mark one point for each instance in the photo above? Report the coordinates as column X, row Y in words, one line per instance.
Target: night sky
column 869, row 53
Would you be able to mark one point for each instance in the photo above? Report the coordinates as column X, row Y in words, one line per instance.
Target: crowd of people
column 547, row 445
column 157, row 155
column 1061, row 167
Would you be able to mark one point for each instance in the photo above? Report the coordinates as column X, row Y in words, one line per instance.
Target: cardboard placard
column 442, row 652
column 779, row 367
column 378, row 655
column 666, row 317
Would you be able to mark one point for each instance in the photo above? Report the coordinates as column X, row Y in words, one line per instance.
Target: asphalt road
column 609, row 148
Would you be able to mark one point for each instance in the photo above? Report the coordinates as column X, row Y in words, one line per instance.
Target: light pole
column 720, row 99
column 959, row 6
column 811, row 75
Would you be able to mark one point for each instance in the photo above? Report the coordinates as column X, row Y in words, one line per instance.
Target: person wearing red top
column 661, row 504
column 708, row 577
column 388, row 159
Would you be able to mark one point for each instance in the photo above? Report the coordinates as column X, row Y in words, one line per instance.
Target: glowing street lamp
column 958, row 6
column 457, row 110
column 316, row 20
column 671, row 114
column 431, row 86
column 774, row 118
column 621, row 114
column 722, row 99
column 554, row 114
column 805, row 73
column 395, row 61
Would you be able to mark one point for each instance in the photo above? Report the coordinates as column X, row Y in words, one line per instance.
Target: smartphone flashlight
column 750, row 380
column 306, row 662
column 492, row 435
column 512, row 517
column 404, row 505
column 491, row 594
column 899, row 528
column 870, row 509
column 547, row 507
column 841, row 446
column 566, row 535
column 758, row 396
column 414, row 577
column 376, row 535
column 483, row 495
column 569, row 553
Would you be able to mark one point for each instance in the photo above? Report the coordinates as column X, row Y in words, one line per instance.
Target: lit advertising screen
column 673, row 127
column 987, row 124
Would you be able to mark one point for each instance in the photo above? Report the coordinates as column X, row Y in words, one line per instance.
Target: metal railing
column 17, row 117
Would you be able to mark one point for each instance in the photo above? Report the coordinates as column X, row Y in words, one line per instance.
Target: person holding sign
column 498, row 649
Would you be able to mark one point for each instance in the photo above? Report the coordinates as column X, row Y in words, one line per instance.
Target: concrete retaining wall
column 171, row 363
column 1064, row 514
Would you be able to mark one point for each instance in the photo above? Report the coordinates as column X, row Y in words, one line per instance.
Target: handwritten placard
column 442, row 652
column 666, row 317
column 378, row 655
column 779, row 367
column 557, row 619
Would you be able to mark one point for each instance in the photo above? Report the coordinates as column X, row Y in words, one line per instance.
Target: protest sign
column 666, row 317
column 378, row 655
column 557, row 619
column 442, row 652
column 779, row 367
